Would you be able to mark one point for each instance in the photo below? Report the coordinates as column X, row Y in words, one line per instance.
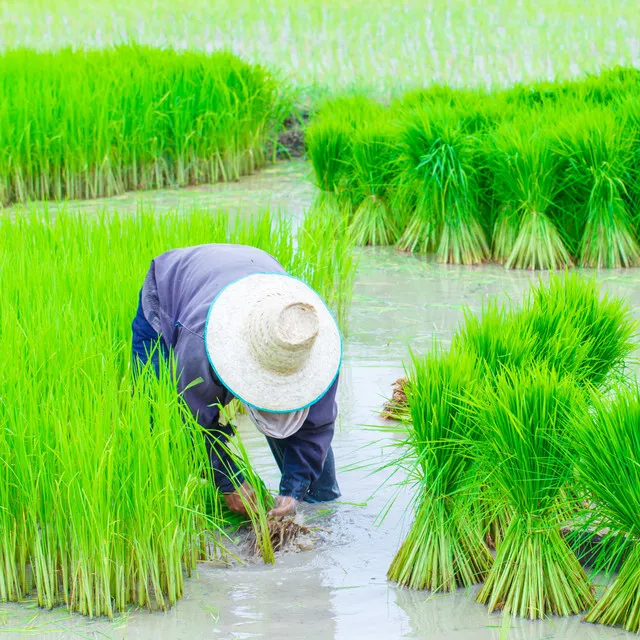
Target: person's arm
column 304, row 452
column 202, row 399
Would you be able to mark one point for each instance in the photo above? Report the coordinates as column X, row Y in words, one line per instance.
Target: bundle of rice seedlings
column 328, row 141
column 608, row 442
column 437, row 182
column 374, row 161
column 498, row 338
column 578, row 330
column 525, row 186
column 397, row 407
column 598, row 153
column 444, row 548
column 524, row 421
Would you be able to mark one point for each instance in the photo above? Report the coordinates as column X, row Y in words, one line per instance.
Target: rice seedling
column 444, row 548
column 498, row 338
column 598, row 153
column 438, row 181
column 104, row 502
column 609, row 471
column 526, row 186
column 525, row 420
column 328, row 142
column 374, row 162
column 89, row 124
column 580, row 331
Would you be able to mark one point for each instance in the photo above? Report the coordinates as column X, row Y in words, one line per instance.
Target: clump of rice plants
column 525, row 421
column 437, row 182
column 599, row 154
column 608, row 442
column 444, row 548
column 497, row 338
column 87, row 124
column 578, row 330
column 107, row 493
column 525, row 185
column 328, row 142
column 374, row 163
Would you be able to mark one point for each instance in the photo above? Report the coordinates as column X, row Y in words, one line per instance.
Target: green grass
column 106, row 491
column 86, row 125
column 380, row 46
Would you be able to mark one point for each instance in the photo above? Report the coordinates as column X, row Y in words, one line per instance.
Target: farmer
column 239, row 326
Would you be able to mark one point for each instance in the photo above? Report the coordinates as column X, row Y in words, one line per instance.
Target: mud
column 338, row 590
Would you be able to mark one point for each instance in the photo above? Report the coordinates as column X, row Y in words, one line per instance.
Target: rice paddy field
column 460, row 182
column 380, row 47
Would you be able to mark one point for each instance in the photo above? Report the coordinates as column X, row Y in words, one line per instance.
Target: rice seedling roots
column 289, row 533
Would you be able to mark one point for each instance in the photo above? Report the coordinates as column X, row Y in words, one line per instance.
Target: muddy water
column 338, row 590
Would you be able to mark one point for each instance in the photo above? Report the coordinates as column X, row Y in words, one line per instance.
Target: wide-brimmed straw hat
column 272, row 342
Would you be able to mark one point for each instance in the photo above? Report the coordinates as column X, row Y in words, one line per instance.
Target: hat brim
column 228, row 346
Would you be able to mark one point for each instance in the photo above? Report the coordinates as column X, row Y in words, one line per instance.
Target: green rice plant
column 444, row 548
column 438, row 181
column 524, row 422
column 374, row 163
column 107, row 494
column 578, row 330
column 333, row 269
column 526, row 183
column 256, row 508
column 328, row 142
column 498, row 338
column 598, row 154
column 76, row 124
column 608, row 441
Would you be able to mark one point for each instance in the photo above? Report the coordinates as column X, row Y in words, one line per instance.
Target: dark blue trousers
column 144, row 341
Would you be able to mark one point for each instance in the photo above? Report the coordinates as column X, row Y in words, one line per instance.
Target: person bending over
column 234, row 319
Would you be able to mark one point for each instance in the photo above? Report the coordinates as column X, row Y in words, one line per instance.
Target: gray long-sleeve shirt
column 177, row 293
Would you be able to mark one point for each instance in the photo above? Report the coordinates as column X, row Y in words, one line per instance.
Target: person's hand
column 237, row 500
column 284, row 506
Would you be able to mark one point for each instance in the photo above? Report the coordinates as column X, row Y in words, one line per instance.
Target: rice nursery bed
column 523, row 434
column 107, row 499
column 536, row 177
column 77, row 124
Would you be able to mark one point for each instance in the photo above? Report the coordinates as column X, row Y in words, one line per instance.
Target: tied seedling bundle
column 374, row 161
column 578, row 330
column 608, row 442
column 526, row 184
column 444, row 548
column 525, row 423
column 599, row 153
column 437, row 181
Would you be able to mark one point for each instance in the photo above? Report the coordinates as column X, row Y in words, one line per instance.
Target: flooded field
column 338, row 590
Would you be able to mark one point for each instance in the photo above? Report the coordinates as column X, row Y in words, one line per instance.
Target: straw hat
column 272, row 342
